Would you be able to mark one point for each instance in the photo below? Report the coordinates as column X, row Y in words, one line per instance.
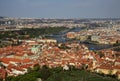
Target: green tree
column 36, row 68
column 45, row 73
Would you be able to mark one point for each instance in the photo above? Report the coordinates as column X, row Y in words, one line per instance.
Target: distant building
column 35, row 49
column 47, row 40
column 95, row 38
column 71, row 35
column 83, row 37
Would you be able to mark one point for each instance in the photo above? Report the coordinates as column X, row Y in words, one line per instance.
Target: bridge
column 112, row 48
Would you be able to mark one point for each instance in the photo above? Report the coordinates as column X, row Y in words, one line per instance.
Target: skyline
column 60, row 8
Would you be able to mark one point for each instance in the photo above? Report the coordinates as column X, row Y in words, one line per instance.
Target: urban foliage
column 58, row 74
column 30, row 32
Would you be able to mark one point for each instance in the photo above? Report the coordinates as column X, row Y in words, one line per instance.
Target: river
column 60, row 37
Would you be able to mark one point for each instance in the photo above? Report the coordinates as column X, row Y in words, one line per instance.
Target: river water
column 60, row 37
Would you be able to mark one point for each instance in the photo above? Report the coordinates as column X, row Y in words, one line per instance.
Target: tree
column 45, row 73
column 28, row 78
column 56, row 70
column 36, row 68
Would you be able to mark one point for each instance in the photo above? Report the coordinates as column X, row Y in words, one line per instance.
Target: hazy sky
column 60, row 8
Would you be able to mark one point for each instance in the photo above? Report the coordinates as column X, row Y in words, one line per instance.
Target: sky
column 60, row 8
